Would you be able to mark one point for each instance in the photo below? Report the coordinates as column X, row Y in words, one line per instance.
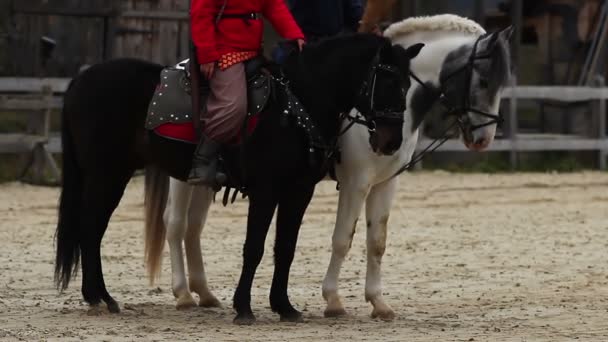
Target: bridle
column 459, row 111
column 368, row 113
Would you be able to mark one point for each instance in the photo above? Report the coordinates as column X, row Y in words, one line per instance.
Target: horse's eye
column 483, row 83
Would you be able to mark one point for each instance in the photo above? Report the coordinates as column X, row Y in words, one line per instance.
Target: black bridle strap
column 458, row 112
column 468, row 67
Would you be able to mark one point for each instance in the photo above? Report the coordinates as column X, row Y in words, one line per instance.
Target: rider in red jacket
column 226, row 33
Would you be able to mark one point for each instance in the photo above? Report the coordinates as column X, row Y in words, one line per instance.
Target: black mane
column 327, row 76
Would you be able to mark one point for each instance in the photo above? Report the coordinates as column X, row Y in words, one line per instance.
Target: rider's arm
column 202, row 16
column 279, row 16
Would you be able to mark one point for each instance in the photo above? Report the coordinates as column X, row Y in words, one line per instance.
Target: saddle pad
column 185, row 131
column 179, row 127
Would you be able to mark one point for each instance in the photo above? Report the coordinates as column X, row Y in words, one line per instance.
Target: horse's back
column 118, row 85
column 105, row 108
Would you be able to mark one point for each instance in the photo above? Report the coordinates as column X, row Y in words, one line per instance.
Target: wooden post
column 39, row 158
column 517, row 18
column 479, row 11
column 512, row 124
column 600, row 111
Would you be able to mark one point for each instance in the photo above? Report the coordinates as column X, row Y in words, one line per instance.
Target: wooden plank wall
column 155, row 30
column 79, row 39
column 149, row 29
column 4, row 36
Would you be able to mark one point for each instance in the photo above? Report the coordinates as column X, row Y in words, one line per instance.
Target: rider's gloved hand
column 207, row 70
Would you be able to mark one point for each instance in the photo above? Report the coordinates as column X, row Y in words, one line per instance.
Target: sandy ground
column 470, row 258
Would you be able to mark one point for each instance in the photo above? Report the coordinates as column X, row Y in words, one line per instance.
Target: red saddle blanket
column 185, row 131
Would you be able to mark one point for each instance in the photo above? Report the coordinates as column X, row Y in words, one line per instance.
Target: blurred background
column 555, row 114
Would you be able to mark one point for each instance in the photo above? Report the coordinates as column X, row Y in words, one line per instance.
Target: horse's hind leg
column 292, row 206
column 350, row 202
column 262, row 204
column 197, row 215
column 180, row 194
column 377, row 212
column 100, row 197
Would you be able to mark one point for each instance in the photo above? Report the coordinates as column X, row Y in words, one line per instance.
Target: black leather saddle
column 171, row 101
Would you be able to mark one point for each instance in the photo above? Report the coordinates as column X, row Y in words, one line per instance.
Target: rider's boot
column 204, row 169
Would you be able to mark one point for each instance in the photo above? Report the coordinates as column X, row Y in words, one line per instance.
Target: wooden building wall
column 89, row 31
column 156, row 30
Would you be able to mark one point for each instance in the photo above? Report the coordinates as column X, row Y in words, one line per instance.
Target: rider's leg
column 226, row 110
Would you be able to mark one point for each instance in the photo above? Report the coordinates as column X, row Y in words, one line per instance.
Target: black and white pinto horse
column 104, row 142
column 465, row 69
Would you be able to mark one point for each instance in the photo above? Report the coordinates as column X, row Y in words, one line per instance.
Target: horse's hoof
column 113, row 307
column 95, row 310
column 294, row 317
column 334, row 312
column 209, row 302
column 185, row 302
column 244, row 319
column 385, row 314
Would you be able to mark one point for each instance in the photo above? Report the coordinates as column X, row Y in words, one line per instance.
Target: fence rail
column 38, row 97
column 515, row 142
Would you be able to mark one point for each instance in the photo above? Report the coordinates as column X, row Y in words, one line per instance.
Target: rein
column 462, row 119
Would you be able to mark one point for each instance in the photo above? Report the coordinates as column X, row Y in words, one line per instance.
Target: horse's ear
column 507, row 33
column 488, row 42
column 412, row 51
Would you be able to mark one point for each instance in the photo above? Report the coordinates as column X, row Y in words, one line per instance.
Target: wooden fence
column 36, row 99
column 41, row 97
column 515, row 142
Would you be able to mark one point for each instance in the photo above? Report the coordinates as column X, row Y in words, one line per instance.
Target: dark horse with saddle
column 297, row 110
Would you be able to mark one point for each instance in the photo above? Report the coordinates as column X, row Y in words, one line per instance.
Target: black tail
column 67, row 234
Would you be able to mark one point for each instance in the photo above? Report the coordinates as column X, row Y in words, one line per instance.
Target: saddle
column 170, row 111
column 170, row 115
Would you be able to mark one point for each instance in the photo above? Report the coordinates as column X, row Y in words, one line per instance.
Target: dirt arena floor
column 470, row 257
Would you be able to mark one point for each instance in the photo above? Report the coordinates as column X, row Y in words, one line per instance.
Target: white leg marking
column 377, row 212
column 352, row 196
column 202, row 197
column 180, row 194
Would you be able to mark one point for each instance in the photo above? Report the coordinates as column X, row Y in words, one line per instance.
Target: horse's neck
column 326, row 98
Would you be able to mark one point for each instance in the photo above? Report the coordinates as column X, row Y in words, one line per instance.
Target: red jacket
column 235, row 34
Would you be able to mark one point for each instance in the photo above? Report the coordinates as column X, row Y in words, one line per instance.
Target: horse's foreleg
column 262, row 204
column 197, row 215
column 180, row 194
column 377, row 212
column 292, row 206
column 352, row 196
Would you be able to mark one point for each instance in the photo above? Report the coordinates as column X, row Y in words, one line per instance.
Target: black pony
column 104, row 142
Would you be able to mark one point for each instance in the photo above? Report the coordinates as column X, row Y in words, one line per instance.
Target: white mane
column 442, row 22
